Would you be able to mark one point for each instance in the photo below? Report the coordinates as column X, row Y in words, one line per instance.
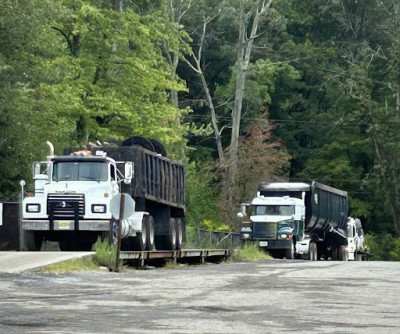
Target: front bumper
column 276, row 244
column 66, row 225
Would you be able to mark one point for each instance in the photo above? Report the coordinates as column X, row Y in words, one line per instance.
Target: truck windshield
column 274, row 210
column 80, row 171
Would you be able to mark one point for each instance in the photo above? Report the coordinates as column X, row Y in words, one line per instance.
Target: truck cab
column 355, row 240
column 276, row 223
column 72, row 199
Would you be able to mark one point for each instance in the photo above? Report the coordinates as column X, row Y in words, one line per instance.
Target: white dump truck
column 74, row 193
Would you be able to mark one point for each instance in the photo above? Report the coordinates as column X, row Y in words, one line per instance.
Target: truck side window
column 112, row 172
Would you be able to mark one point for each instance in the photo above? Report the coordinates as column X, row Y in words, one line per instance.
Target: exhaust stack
column 51, row 150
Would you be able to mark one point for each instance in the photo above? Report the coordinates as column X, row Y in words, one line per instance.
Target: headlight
column 351, row 248
column 98, row 208
column 245, row 236
column 33, row 208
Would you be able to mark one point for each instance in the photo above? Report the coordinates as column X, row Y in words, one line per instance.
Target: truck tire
column 33, row 241
column 179, row 233
column 335, row 252
column 140, row 240
column 343, row 253
column 150, row 241
column 289, row 253
column 170, row 239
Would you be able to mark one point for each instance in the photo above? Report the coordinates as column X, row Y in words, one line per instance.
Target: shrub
column 106, row 253
column 383, row 247
column 251, row 252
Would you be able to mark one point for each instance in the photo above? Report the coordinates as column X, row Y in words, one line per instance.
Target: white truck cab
column 355, row 239
column 73, row 193
column 274, row 222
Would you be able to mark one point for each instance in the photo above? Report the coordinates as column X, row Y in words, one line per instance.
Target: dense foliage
column 321, row 94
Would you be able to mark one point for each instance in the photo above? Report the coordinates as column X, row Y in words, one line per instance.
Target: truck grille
column 65, row 205
column 264, row 230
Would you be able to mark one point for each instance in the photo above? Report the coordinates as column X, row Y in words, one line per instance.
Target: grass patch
column 250, row 252
column 169, row 264
column 71, row 265
column 106, row 253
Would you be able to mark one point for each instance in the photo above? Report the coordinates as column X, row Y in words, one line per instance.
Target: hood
column 269, row 219
column 81, row 187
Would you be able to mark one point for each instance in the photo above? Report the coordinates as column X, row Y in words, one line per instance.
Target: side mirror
column 128, row 172
column 240, row 215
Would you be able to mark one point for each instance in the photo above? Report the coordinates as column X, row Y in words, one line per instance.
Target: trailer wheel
column 33, row 241
column 179, row 233
column 170, row 239
column 150, row 242
column 289, row 253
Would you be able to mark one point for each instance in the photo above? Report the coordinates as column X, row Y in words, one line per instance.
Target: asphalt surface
column 276, row 296
column 16, row 262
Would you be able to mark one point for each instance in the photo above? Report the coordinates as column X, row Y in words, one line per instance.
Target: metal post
column 121, row 215
column 20, row 212
column 198, row 237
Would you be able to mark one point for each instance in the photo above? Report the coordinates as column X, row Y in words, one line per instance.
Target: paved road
column 16, row 262
column 276, row 296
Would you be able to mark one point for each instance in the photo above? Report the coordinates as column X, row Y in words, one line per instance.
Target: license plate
column 64, row 225
column 263, row 243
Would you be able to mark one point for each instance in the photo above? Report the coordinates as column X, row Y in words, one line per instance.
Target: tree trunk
column 245, row 47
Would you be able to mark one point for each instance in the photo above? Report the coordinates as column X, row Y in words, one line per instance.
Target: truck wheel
column 150, row 243
column 179, row 233
column 33, row 241
column 139, row 241
column 343, row 253
column 289, row 253
column 335, row 254
column 170, row 239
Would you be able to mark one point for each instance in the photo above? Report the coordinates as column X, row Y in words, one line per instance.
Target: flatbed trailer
column 183, row 255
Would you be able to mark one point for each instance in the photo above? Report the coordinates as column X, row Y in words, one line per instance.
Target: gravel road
column 276, row 296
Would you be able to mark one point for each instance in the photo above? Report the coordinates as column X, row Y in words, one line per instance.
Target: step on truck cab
column 293, row 219
column 75, row 191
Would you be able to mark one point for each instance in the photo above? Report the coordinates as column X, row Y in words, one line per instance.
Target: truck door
column 114, row 182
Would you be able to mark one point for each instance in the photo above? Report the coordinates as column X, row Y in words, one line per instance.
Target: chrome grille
column 64, row 205
column 264, row 230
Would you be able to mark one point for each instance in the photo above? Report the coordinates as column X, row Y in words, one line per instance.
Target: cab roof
column 90, row 158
